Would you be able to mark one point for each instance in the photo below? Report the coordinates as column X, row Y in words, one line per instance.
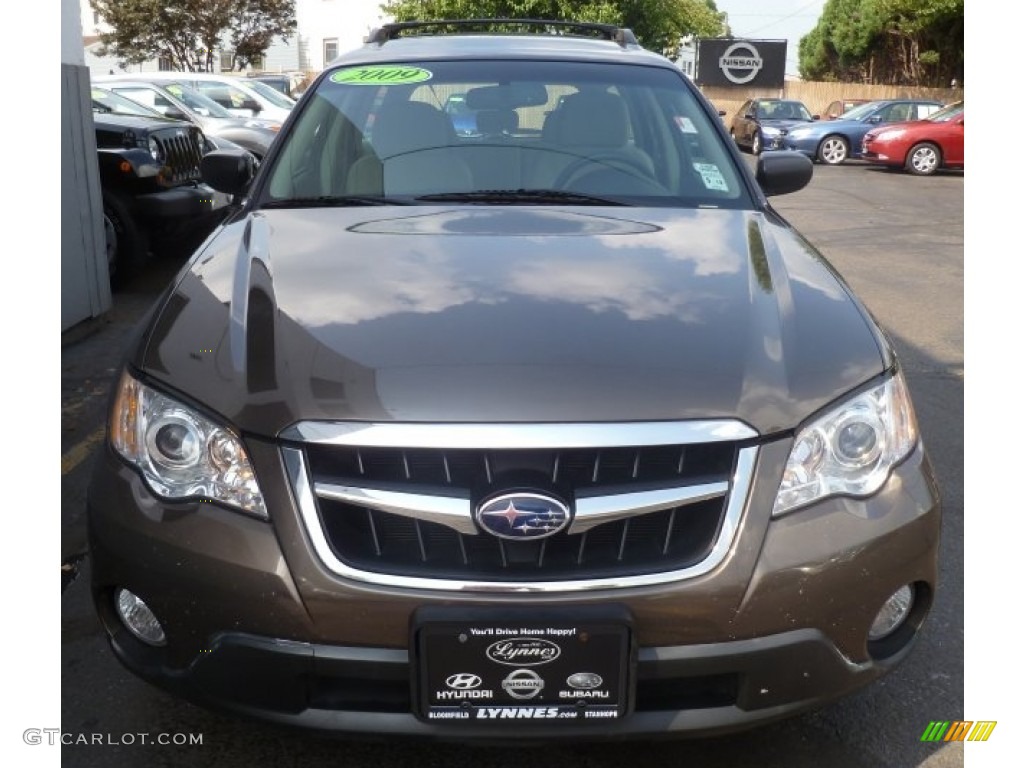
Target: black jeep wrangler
column 153, row 200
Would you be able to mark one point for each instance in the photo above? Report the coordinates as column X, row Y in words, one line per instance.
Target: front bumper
column 257, row 626
column 181, row 204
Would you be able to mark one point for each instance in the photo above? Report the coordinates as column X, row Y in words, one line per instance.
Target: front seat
column 413, row 154
column 595, row 124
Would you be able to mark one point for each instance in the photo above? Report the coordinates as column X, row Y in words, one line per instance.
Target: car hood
column 510, row 315
column 830, row 126
column 216, row 125
column 784, row 124
column 121, row 123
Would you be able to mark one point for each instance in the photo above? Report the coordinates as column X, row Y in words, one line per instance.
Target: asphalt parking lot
column 897, row 239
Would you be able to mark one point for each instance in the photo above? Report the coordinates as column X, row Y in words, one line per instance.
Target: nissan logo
column 519, row 516
column 523, row 651
column 740, row 63
column 522, row 684
column 463, row 681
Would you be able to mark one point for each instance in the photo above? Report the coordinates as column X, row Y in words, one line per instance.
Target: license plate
column 483, row 669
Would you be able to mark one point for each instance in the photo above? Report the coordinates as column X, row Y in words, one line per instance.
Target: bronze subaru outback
column 551, row 429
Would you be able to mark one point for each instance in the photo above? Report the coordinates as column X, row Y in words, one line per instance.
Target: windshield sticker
column 685, row 124
column 384, row 75
column 711, row 176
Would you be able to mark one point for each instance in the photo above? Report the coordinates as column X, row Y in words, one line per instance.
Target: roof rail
column 620, row 35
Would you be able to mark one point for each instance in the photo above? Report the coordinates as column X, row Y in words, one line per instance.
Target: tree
column 899, row 42
column 190, row 32
column 658, row 24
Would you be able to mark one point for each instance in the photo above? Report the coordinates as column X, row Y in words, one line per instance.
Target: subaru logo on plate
column 584, row 681
column 519, row 516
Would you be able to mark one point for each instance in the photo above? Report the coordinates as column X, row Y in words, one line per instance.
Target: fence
column 817, row 96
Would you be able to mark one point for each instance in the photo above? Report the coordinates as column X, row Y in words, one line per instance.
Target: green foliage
column 902, row 42
column 658, row 24
column 190, row 32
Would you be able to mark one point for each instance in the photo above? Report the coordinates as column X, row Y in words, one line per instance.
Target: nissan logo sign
column 740, row 63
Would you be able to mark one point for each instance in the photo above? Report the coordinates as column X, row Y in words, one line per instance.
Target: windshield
column 109, row 102
column 782, row 110
column 947, row 113
column 272, row 95
column 624, row 135
column 195, row 101
column 860, row 111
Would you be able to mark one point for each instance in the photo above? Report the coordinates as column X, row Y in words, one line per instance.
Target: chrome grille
column 182, row 154
column 646, row 513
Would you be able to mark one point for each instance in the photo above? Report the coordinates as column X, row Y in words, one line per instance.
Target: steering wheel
column 602, row 162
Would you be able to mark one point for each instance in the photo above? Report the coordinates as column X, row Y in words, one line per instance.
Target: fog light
column 893, row 613
column 139, row 619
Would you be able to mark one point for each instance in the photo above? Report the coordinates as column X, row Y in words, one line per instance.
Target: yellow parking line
column 80, row 452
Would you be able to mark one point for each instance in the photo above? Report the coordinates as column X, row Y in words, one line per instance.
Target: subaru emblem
column 521, row 516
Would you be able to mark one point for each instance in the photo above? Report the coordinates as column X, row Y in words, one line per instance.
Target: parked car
column 840, row 107
column 921, row 147
column 153, row 195
column 444, row 437
column 183, row 103
column 761, row 124
column 834, row 141
column 288, row 83
column 241, row 96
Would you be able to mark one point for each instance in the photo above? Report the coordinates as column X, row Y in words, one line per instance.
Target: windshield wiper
column 331, row 201
column 526, row 196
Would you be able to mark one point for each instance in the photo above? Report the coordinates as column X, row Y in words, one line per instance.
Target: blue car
column 834, row 141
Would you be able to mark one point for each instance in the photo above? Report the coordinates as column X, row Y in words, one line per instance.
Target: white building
column 325, row 29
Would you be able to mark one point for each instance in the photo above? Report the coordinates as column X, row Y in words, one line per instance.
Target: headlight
column 180, row 453
column 851, row 450
column 890, row 135
column 156, row 151
column 767, row 130
column 799, row 133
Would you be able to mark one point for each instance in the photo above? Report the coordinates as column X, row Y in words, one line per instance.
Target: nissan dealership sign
column 731, row 62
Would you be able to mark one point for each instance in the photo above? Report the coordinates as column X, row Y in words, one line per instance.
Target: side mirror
column 815, row 117
column 228, row 170
column 175, row 114
column 721, row 113
column 748, row 116
column 252, row 104
column 780, row 173
column 874, row 119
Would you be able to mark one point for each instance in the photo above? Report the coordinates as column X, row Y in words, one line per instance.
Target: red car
column 920, row 146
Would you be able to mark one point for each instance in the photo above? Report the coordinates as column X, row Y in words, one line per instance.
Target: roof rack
column 620, row 35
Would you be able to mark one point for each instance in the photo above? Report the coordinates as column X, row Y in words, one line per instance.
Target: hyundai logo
column 463, row 681
column 519, row 516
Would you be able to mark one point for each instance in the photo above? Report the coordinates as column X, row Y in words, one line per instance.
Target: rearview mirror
column 228, row 170
column 780, row 173
column 507, row 96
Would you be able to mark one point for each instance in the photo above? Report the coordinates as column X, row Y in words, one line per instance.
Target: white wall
column 347, row 20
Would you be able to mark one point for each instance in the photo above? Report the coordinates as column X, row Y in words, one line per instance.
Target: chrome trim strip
column 451, row 511
column 597, row 510
column 298, row 475
column 517, row 436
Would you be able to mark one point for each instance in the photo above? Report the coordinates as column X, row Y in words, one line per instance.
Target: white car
column 241, row 96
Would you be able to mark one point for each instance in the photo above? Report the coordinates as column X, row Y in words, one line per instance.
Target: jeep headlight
column 155, row 150
column 181, row 453
column 850, row 450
